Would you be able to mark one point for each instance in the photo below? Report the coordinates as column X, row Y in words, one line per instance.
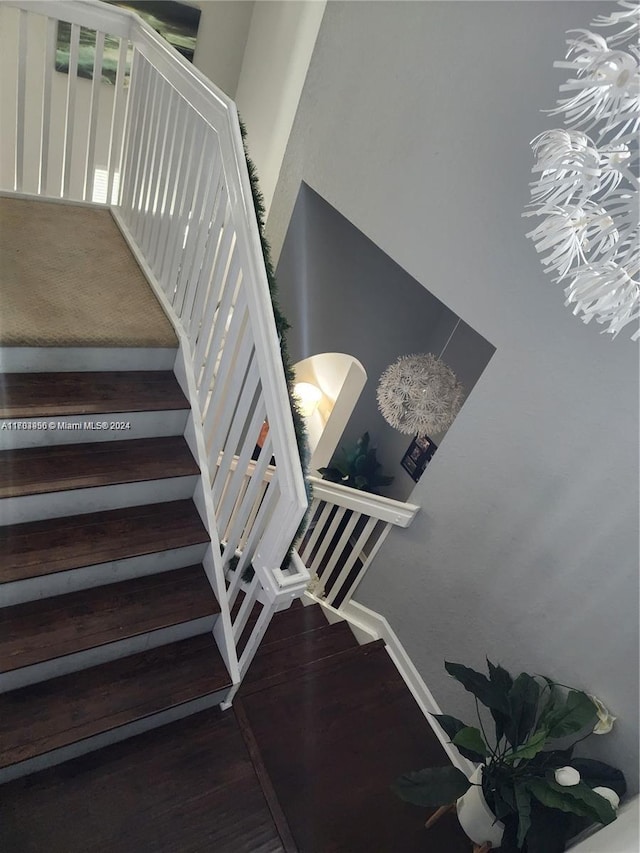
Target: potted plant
column 358, row 468
column 533, row 793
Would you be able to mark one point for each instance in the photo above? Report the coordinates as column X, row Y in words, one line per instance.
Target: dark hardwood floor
column 185, row 788
column 332, row 740
column 302, row 764
column 41, row 395
column 56, row 468
column 37, row 548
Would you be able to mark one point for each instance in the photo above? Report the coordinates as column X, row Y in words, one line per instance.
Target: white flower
column 605, row 718
column 567, row 776
column 608, row 795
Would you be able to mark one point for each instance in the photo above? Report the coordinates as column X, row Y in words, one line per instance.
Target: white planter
column 475, row 816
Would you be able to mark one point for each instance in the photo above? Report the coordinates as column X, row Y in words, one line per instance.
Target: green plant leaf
column 508, row 795
column 523, row 701
column 509, row 838
column 500, row 807
column 433, row 786
column 596, row 774
column 552, row 758
column 572, row 716
column 523, row 803
column 576, row 799
column 452, row 726
column 502, row 680
column 549, row 829
column 478, row 684
column 360, row 464
column 529, row 749
column 499, row 676
column 471, row 739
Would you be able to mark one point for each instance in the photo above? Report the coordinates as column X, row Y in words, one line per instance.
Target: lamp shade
column 309, row 396
column 419, row 395
column 585, row 189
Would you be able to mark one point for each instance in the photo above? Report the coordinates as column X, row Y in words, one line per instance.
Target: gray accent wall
column 341, row 293
column 414, row 123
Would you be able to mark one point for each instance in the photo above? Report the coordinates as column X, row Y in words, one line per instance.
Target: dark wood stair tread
column 358, row 728
column 43, row 630
column 37, row 719
column 36, row 548
column 287, row 654
column 32, row 395
column 186, row 787
column 307, row 669
column 36, row 470
column 287, row 623
column 296, row 620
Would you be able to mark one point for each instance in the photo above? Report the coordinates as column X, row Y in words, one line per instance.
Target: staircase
column 107, row 612
column 301, row 764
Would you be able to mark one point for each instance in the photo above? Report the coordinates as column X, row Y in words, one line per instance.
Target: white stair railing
column 167, row 144
column 346, row 530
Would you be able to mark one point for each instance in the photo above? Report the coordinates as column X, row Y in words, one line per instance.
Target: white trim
column 375, row 506
column 370, row 626
column 621, row 836
column 69, row 429
column 76, row 501
column 100, row 574
column 85, row 359
column 88, row 13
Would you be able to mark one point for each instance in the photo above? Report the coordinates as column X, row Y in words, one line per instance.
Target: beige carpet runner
column 67, row 278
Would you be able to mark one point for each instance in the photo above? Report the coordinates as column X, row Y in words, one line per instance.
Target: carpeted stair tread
column 71, row 281
column 37, row 548
column 66, row 624
column 37, row 719
column 36, row 470
column 291, row 653
column 45, row 395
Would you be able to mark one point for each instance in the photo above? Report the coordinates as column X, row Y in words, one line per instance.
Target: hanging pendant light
column 586, row 178
column 419, row 395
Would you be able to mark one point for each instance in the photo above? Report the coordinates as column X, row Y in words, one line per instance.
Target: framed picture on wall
column 418, row 455
column 176, row 22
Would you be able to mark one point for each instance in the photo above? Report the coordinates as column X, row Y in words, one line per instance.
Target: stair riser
column 154, row 721
column 85, row 359
column 102, row 654
column 73, row 429
column 60, row 583
column 79, row 501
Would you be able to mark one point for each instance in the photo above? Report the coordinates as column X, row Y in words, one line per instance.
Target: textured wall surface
column 415, row 123
column 344, row 294
column 280, row 43
column 222, row 38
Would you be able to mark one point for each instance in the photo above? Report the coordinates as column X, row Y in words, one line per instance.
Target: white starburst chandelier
column 419, row 395
column 586, row 187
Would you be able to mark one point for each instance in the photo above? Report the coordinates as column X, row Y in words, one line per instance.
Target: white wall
column 415, row 123
column 279, row 47
column 621, row 836
column 222, row 37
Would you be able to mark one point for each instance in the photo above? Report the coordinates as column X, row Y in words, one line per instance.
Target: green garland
column 282, row 326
